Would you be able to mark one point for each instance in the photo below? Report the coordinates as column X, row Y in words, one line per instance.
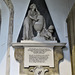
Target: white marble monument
column 40, row 51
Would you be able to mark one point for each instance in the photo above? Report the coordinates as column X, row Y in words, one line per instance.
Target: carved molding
column 58, row 56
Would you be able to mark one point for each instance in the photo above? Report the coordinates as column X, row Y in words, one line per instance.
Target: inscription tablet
column 38, row 56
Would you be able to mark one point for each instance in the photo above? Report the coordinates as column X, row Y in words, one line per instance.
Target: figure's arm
column 31, row 17
column 44, row 24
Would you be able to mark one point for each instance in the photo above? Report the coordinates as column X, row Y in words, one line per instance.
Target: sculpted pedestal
column 35, row 57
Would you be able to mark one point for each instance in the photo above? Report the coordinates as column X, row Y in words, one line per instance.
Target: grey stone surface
column 58, row 55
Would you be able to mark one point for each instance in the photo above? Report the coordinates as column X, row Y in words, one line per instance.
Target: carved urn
column 38, row 26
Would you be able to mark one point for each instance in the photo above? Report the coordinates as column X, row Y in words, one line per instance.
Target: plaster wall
column 58, row 9
column 3, row 36
column 14, row 68
column 20, row 8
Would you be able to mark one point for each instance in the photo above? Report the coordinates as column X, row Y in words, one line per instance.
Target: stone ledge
column 38, row 44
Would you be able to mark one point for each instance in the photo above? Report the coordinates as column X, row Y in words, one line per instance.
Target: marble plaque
column 38, row 56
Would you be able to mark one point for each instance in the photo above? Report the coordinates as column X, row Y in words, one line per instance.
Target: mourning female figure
column 29, row 22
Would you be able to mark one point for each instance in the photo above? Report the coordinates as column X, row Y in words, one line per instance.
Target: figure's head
column 33, row 6
column 51, row 28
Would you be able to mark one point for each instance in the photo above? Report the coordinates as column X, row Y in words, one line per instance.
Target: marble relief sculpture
column 40, row 54
column 48, row 33
column 36, row 20
column 29, row 22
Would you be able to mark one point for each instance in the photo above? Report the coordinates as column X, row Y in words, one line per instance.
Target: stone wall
column 58, row 55
column 71, row 35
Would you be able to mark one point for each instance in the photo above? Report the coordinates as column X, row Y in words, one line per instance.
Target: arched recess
column 10, row 34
